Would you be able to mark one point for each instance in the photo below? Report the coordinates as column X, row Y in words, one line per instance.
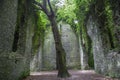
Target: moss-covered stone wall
column 8, row 18
column 16, row 32
column 102, row 32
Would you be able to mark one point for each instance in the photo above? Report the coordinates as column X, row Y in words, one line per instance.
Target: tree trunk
column 60, row 52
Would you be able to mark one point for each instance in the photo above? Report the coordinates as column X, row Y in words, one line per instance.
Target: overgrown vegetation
column 103, row 40
column 75, row 13
column 39, row 31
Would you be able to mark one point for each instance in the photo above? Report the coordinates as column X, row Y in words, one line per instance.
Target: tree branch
column 42, row 7
column 45, row 3
column 51, row 10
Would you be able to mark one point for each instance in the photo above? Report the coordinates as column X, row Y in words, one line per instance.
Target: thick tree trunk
column 60, row 52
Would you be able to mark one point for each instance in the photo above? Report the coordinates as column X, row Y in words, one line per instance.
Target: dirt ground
column 75, row 75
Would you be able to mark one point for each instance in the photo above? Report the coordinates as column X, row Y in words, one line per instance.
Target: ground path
column 75, row 75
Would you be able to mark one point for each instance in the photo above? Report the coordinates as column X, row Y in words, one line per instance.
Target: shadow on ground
column 75, row 75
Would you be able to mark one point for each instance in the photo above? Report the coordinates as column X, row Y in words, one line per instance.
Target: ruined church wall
column 14, row 64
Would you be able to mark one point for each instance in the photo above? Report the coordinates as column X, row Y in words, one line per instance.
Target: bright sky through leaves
column 61, row 3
